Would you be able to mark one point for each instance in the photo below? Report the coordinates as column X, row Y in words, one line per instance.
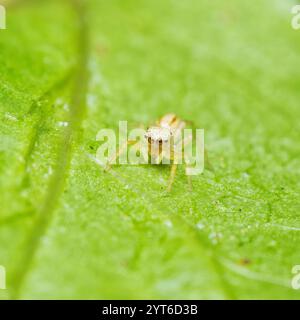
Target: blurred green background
column 70, row 68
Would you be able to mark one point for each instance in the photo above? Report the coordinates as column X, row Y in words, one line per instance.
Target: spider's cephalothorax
column 166, row 130
column 168, row 127
column 158, row 135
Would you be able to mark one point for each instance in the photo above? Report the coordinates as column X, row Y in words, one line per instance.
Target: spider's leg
column 187, row 140
column 139, row 146
column 172, row 176
column 159, row 158
column 120, row 151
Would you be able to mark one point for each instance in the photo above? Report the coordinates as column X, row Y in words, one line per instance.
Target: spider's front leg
column 172, row 176
column 176, row 155
column 120, row 151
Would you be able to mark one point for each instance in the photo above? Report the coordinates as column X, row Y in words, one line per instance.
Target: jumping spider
column 167, row 129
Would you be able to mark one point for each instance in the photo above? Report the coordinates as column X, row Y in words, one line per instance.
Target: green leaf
column 70, row 230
